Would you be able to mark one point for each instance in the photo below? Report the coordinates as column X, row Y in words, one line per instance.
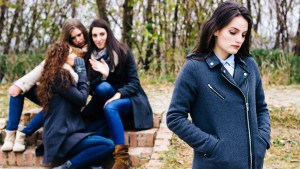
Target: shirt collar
column 229, row 60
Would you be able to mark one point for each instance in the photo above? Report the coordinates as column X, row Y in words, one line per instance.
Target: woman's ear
column 216, row 33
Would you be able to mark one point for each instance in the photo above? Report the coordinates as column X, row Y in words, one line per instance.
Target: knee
column 104, row 89
column 110, row 109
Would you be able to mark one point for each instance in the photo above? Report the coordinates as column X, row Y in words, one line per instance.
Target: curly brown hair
column 53, row 74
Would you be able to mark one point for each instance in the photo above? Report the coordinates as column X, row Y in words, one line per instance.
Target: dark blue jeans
column 113, row 111
column 15, row 111
column 89, row 150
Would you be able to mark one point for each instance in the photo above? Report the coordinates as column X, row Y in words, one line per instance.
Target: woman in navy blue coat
column 221, row 88
column 63, row 93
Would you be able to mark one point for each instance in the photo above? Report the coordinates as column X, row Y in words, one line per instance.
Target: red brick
column 134, row 161
column 142, row 139
column 126, row 138
column 38, row 161
column 20, row 160
column 133, row 139
column 29, row 154
column 156, row 120
column 4, row 158
column 150, row 140
column 11, row 158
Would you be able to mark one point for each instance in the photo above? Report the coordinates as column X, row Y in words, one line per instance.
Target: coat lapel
column 241, row 72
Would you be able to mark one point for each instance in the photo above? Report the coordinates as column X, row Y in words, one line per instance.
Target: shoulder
column 249, row 61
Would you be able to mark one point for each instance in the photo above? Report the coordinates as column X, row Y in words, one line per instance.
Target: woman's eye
column 232, row 33
column 243, row 35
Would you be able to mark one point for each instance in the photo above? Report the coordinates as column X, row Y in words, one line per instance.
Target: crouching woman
column 62, row 92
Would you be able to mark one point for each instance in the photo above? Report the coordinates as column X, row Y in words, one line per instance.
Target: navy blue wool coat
column 230, row 126
column 63, row 124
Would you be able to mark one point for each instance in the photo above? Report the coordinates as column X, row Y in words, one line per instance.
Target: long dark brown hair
column 112, row 44
column 221, row 17
column 53, row 72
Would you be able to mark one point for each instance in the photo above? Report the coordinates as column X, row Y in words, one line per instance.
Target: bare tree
column 2, row 15
column 33, row 28
column 127, row 22
column 258, row 15
column 150, row 29
column 102, row 11
column 282, row 34
column 297, row 47
column 19, row 27
column 73, row 6
column 12, row 27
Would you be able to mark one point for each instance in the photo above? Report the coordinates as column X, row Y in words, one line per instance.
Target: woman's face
column 99, row 36
column 77, row 38
column 230, row 39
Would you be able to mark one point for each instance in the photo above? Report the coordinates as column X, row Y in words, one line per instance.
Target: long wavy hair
column 67, row 27
column 53, row 75
column 112, row 44
column 221, row 17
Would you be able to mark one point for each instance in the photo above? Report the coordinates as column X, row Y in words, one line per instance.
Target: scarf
column 80, row 52
column 102, row 54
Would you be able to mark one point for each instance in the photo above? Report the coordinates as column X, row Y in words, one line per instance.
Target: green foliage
column 278, row 66
column 15, row 66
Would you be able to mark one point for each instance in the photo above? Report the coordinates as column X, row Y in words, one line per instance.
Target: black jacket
column 128, row 84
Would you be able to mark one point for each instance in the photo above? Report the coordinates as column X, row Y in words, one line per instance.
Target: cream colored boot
column 19, row 145
column 9, row 140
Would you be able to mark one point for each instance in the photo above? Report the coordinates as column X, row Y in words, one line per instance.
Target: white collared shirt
column 228, row 64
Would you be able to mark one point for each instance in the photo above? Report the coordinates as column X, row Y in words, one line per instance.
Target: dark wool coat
column 230, row 126
column 63, row 125
column 128, row 84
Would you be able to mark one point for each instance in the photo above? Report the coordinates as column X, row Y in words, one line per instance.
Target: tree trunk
column 149, row 22
column 20, row 26
column 127, row 22
column 174, row 33
column 11, row 29
column 73, row 6
column 2, row 16
column 282, row 34
column 35, row 15
column 297, row 47
column 102, row 11
column 258, row 17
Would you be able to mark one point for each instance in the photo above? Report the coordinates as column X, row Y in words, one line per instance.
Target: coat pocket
column 260, row 150
column 215, row 91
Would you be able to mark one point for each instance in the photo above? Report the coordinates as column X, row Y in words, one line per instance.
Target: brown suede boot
column 121, row 157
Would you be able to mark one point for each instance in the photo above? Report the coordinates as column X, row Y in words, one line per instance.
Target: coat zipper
column 216, row 92
column 247, row 114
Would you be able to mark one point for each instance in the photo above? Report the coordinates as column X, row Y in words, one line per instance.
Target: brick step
column 138, row 157
column 144, row 138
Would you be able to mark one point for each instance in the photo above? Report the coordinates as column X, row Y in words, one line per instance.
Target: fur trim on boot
column 9, row 140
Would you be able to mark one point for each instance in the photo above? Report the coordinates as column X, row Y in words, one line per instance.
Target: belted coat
column 230, row 127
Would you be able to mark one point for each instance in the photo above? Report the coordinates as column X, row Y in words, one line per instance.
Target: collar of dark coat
column 213, row 61
column 241, row 71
